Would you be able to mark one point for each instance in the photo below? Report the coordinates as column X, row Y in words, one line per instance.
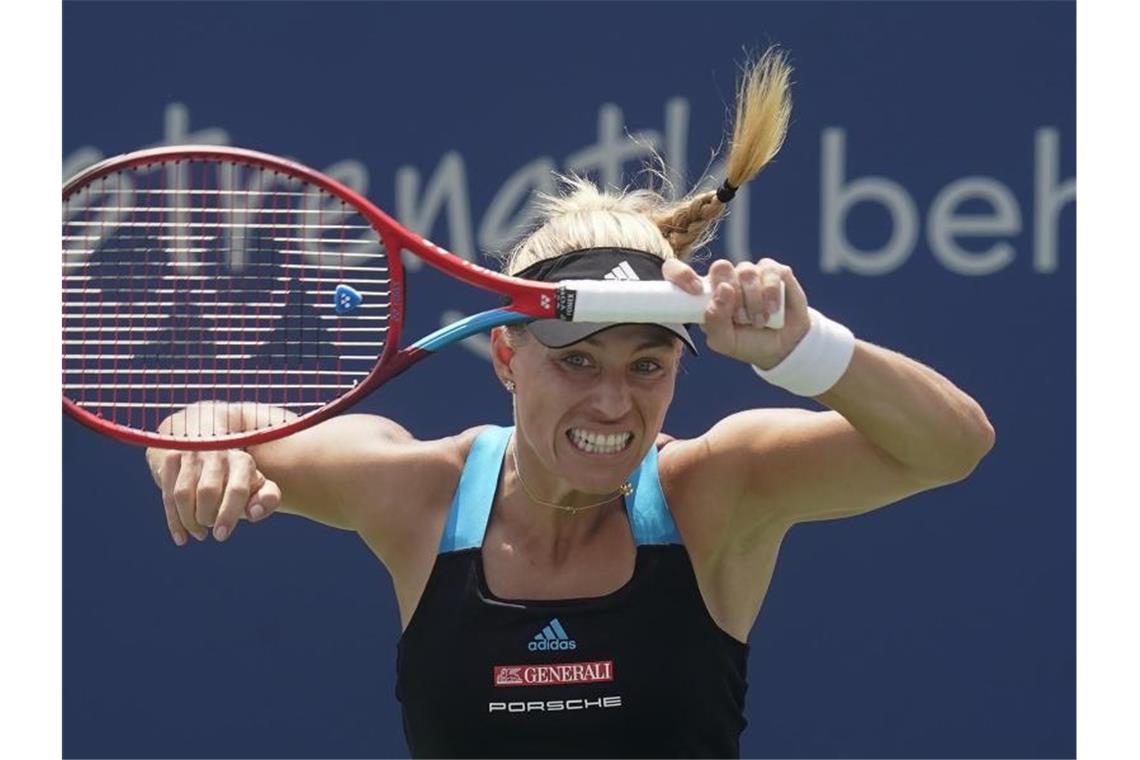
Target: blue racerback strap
column 649, row 518
column 471, row 505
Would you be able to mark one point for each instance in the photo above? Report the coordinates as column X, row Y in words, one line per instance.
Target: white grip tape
column 638, row 301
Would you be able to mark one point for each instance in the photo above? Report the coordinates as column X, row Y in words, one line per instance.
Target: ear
column 501, row 353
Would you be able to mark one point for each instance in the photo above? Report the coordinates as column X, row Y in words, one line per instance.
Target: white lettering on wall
column 613, row 149
column 838, row 197
column 499, row 227
column 945, row 225
column 1049, row 198
column 676, row 144
column 176, row 129
column 343, row 249
column 447, row 188
column 445, row 196
column 80, row 160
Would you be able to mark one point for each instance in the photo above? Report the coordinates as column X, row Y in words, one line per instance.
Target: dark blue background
column 943, row 626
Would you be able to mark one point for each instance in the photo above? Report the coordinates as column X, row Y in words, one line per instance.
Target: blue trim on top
column 471, row 505
column 649, row 517
column 468, row 326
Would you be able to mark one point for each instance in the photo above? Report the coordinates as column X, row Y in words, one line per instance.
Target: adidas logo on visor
column 622, row 271
column 552, row 636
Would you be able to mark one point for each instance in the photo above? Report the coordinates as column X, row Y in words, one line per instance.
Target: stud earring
column 509, row 385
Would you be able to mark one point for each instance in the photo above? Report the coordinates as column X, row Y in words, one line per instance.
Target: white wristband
column 818, row 360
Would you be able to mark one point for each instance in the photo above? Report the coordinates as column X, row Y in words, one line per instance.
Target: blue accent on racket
column 469, row 326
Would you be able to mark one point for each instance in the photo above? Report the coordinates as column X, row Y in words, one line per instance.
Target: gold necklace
column 625, row 490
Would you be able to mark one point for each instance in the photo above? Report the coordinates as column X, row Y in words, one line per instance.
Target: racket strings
column 197, row 280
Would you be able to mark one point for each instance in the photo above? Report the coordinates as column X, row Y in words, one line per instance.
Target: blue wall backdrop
column 925, row 197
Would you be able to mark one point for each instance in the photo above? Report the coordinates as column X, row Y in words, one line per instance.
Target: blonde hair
column 584, row 216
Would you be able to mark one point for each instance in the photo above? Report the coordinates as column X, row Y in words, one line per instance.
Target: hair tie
column 726, row 192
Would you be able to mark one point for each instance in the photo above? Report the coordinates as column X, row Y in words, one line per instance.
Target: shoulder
column 731, row 450
column 431, row 468
column 456, row 448
column 381, row 439
column 410, row 494
column 707, row 480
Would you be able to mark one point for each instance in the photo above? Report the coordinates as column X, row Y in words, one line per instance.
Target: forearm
column 207, row 418
column 912, row 413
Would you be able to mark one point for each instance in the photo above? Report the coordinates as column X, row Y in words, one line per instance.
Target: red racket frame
column 533, row 299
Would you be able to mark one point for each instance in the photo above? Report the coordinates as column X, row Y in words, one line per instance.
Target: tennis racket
column 205, row 273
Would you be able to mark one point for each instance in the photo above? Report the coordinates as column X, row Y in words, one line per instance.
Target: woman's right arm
column 354, row 472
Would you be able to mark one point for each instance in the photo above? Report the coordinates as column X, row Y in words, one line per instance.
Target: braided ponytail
column 763, row 109
column 583, row 216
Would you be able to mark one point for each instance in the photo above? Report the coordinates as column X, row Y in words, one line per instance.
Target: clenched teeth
column 599, row 443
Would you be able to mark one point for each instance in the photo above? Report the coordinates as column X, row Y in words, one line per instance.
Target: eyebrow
column 657, row 342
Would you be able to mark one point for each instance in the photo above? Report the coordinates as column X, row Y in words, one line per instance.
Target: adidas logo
column 552, row 637
column 622, row 271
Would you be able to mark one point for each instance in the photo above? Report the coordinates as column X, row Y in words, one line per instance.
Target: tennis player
column 579, row 583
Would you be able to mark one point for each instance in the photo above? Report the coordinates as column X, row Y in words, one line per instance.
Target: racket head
column 207, row 273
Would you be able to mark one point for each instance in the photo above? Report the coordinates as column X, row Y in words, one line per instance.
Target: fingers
column 683, row 276
column 211, row 487
column 726, row 289
column 764, row 284
column 265, row 500
column 157, row 460
column 164, row 469
column 184, row 492
column 749, row 295
column 795, row 300
column 752, row 284
column 239, row 485
column 721, row 311
column 248, row 493
column 752, row 292
column 722, row 272
column 173, row 524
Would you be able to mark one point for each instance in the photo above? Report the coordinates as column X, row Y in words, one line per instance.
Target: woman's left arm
column 917, row 416
column 896, row 427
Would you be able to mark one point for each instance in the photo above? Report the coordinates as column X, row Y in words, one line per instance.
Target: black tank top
column 641, row 672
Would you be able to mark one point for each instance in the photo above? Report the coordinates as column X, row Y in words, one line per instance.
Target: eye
column 577, row 360
column 646, row 366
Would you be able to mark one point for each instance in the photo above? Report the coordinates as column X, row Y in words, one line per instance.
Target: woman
column 581, row 584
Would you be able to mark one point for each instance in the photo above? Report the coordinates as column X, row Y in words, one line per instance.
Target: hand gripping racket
column 205, row 273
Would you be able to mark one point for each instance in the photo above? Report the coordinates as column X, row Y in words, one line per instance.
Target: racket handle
column 657, row 301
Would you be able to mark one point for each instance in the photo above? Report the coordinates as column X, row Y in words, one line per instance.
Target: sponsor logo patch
column 552, row 637
column 554, row 705
column 622, row 271
column 554, row 674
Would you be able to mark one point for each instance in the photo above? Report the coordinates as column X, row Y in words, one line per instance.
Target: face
column 589, row 412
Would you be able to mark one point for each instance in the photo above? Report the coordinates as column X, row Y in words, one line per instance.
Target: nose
column 611, row 397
